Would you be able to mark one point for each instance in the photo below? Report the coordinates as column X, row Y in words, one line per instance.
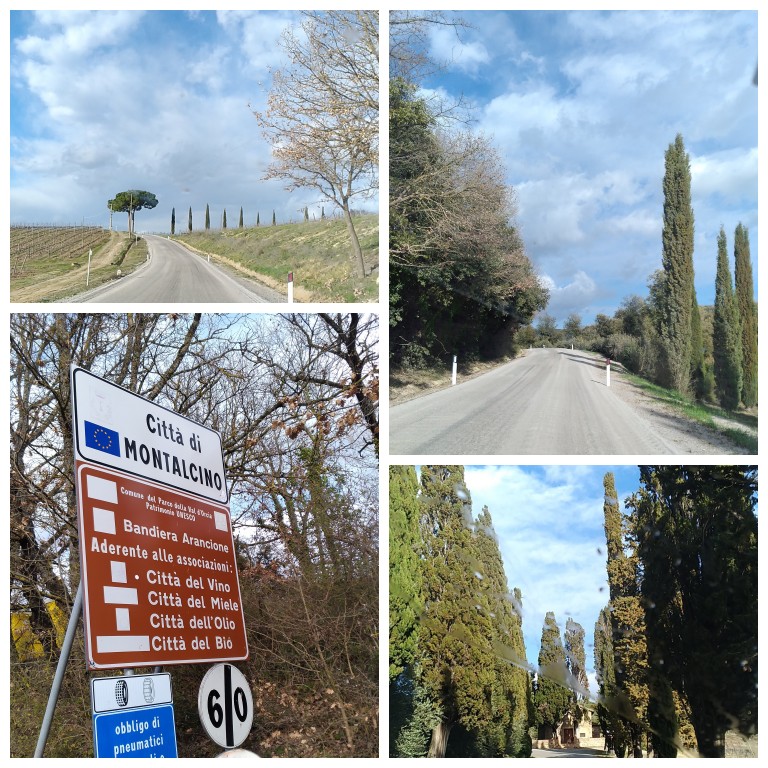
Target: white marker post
column 290, row 287
column 608, row 373
column 453, row 374
column 88, row 272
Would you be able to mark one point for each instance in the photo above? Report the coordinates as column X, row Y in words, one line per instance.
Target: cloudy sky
column 103, row 101
column 549, row 522
column 582, row 106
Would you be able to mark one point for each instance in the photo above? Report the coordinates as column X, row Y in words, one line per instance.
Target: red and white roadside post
column 453, row 373
column 290, row 287
column 608, row 372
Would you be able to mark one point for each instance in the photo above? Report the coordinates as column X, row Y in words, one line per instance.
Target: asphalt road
column 175, row 274
column 552, row 401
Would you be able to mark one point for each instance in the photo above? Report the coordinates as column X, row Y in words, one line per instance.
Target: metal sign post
column 159, row 572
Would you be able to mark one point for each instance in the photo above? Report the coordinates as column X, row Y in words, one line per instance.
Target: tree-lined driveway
column 570, row 752
column 551, row 401
column 175, row 274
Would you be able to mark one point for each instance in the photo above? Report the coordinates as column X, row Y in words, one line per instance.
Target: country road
column 176, row 274
column 551, row 401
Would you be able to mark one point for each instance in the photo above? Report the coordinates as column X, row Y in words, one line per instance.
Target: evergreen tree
column 455, row 648
column 189, row 219
column 405, row 603
column 551, row 697
column 322, row 212
column 726, row 333
column 627, row 625
column 575, row 660
column 699, row 377
column 453, row 251
column 412, row 713
column 677, row 261
column 697, row 541
column 511, row 704
column 207, row 217
column 240, row 222
column 611, row 723
column 274, row 219
column 257, row 218
column 747, row 315
column 224, row 219
column 173, row 221
column 306, row 213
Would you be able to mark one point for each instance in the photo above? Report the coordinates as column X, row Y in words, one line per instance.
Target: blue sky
column 582, row 106
column 103, row 101
column 549, row 524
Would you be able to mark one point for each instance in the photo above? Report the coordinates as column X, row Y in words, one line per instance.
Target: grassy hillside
column 317, row 252
column 51, row 263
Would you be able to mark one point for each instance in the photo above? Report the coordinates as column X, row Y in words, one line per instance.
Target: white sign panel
column 119, row 429
column 225, row 705
column 130, row 691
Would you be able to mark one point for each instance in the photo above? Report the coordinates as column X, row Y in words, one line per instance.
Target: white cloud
column 257, row 34
column 549, row 527
column 730, row 174
column 103, row 115
column 446, row 46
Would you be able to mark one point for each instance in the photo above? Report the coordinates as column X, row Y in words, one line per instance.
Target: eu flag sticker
column 102, row 439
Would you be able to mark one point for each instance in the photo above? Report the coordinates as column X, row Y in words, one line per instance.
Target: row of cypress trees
column 224, row 218
column 676, row 647
column 458, row 679
column 735, row 322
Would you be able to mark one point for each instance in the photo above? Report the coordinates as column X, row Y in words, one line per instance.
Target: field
column 51, row 263
column 318, row 253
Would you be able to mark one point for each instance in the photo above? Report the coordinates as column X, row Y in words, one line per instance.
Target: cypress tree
column 575, row 658
column 189, row 219
column 405, row 604
column 274, row 220
column 240, row 223
column 697, row 541
column 257, row 218
column 455, row 634
column 605, row 673
column 747, row 315
column 511, row 704
column 627, row 623
column 412, row 713
column 322, row 212
column 224, row 219
column 306, row 213
column 677, row 261
column 700, row 376
column 173, row 221
column 207, row 217
column 551, row 697
column 726, row 332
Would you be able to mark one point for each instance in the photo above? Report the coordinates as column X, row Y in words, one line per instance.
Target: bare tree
column 409, row 41
column 322, row 111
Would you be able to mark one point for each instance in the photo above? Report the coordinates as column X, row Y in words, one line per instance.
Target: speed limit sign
column 225, row 705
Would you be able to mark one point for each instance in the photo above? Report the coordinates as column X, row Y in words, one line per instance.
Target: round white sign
column 225, row 705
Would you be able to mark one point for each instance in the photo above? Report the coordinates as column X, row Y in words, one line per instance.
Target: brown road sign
column 159, row 574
